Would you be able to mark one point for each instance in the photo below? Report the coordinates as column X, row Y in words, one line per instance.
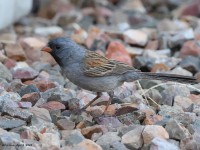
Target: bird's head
column 62, row 49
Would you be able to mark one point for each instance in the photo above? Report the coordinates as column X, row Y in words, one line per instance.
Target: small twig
column 143, row 93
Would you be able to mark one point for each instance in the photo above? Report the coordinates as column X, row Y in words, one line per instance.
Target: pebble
column 190, row 48
column 133, row 139
column 15, row 51
column 5, row 73
column 40, row 116
column 152, row 131
column 29, row 89
column 65, row 124
column 10, row 123
column 50, row 139
column 105, row 140
column 32, row 47
column 161, row 144
column 72, row 137
column 177, row 130
column 191, row 63
column 118, row 52
column 24, row 73
column 135, row 37
column 89, row 145
column 31, row 97
column 89, row 131
column 53, row 105
column 171, row 91
column 48, row 31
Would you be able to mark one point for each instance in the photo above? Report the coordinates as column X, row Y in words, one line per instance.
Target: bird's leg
column 92, row 101
column 78, row 111
column 111, row 94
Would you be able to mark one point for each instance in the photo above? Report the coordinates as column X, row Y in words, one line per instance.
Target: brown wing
column 97, row 65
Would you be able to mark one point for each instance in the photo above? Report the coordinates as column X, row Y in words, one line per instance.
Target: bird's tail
column 162, row 77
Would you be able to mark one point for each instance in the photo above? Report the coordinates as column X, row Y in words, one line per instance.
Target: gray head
column 63, row 50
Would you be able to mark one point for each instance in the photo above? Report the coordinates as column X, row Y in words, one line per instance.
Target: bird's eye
column 57, row 47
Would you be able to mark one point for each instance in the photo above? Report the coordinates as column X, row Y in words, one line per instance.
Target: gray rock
column 5, row 73
column 118, row 146
column 17, row 112
column 65, row 124
column 196, row 125
column 133, row 139
column 171, row 91
column 112, row 122
column 16, row 85
column 147, row 84
column 72, row 137
column 180, row 71
column 177, row 130
column 55, row 75
column 180, row 37
column 6, row 96
column 29, row 89
column 183, row 102
column 9, row 138
column 40, row 116
column 40, row 66
column 58, row 94
column 106, row 139
column 4, row 84
column 161, row 144
column 191, row 63
column 175, row 112
column 125, row 129
column 10, row 123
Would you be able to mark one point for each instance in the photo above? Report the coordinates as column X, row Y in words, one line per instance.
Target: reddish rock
column 190, row 48
column 152, row 131
column 117, row 51
column 10, row 63
column 24, row 104
column 31, row 97
column 45, row 85
column 111, row 110
column 53, row 105
column 89, row 131
column 15, row 51
column 32, row 47
column 25, row 73
column 191, row 9
column 151, row 120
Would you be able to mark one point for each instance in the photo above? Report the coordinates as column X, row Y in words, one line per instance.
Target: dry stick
column 140, row 87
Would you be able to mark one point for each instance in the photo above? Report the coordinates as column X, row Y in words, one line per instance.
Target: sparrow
column 94, row 72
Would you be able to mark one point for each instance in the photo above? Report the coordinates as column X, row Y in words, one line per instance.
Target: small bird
column 94, row 72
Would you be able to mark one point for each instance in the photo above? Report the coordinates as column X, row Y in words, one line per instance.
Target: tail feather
column 168, row 77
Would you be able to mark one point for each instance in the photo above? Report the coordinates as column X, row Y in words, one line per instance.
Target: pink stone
column 53, row 105
column 117, row 51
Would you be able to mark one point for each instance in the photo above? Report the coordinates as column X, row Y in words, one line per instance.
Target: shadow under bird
column 93, row 72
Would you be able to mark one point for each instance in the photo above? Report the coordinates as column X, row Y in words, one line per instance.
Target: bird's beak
column 46, row 49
